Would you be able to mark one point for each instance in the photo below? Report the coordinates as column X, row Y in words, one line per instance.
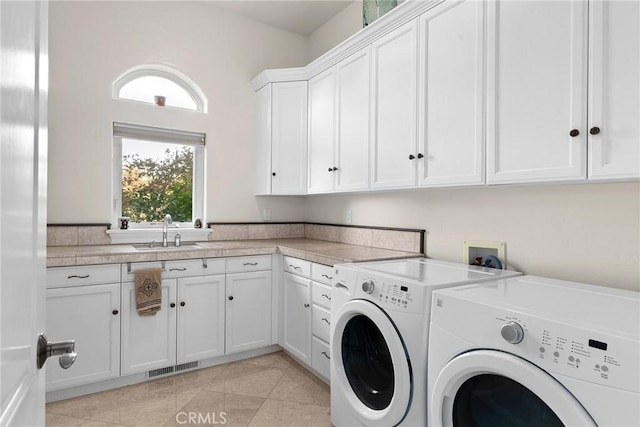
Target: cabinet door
column 201, row 314
column 537, row 68
column 451, row 120
column 296, row 328
column 263, row 141
column 90, row 316
column 322, row 112
column 289, row 138
column 148, row 342
column 394, row 105
column 248, row 311
column 614, row 88
column 352, row 149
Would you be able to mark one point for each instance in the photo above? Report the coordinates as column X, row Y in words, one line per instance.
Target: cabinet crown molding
column 404, row 12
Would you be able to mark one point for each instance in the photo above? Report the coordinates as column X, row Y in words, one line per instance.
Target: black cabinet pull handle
column 182, row 304
column 230, row 298
column 114, row 312
column 325, row 319
column 411, row 157
column 328, row 277
column 326, row 355
column 574, row 132
column 327, row 296
column 594, row 130
column 420, row 155
column 250, row 263
column 86, row 276
column 172, row 305
column 178, row 269
column 306, row 306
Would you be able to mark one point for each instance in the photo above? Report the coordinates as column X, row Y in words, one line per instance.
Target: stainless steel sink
column 155, row 246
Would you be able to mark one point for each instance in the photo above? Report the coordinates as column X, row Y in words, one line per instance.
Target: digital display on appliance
column 404, row 288
column 598, row 344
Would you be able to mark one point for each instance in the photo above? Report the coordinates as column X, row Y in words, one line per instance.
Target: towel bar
column 162, row 266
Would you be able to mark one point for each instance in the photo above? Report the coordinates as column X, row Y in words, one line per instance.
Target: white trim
column 148, row 235
column 403, row 13
column 165, row 72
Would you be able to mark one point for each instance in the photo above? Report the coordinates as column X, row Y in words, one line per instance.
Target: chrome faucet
column 165, row 226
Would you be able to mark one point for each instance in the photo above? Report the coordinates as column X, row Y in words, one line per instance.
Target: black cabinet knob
column 115, row 312
column 411, row 157
column 230, row 298
column 335, row 168
column 420, row 155
column 273, row 174
column 182, row 304
column 330, row 170
column 574, row 132
column 172, row 305
column 594, row 130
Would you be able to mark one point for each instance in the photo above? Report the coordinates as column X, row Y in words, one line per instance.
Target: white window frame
column 165, row 72
column 147, row 133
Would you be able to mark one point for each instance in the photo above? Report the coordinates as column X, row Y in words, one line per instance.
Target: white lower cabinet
column 296, row 327
column 90, row 315
column 320, row 357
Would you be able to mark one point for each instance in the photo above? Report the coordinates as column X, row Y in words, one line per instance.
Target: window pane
column 157, row 179
column 145, row 88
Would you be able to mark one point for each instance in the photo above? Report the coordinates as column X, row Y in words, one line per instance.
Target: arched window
column 160, row 85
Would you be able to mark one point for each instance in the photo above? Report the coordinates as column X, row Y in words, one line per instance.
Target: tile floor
column 270, row 390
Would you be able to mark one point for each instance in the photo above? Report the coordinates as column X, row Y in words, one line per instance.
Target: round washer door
column 489, row 388
column 372, row 365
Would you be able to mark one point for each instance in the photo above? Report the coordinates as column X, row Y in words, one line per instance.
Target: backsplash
column 408, row 240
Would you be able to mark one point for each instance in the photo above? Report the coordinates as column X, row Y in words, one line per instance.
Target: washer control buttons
column 604, row 368
column 512, row 332
column 556, row 354
column 571, row 358
column 542, row 350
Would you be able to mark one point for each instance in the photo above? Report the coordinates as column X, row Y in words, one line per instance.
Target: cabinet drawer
column 321, row 323
column 320, row 357
column 322, row 273
column 84, row 275
column 253, row 263
column 297, row 266
column 321, row 295
column 175, row 269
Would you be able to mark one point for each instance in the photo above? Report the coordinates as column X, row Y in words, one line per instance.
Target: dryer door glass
column 492, row 400
column 367, row 363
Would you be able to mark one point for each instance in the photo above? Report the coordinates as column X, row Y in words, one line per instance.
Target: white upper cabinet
column 339, row 126
column 353, row 104
column 394, row 108
column 614, row 89
column 536, row 80
column 451, row 103
column 322, row 132
column 281, row 141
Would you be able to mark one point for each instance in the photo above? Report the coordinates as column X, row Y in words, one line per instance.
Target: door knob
column 64, row 349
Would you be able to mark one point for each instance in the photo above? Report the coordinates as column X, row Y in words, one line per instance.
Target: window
column 147, row 83
column 158, row 172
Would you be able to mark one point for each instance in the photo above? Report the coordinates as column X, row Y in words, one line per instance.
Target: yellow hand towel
column 148, row 291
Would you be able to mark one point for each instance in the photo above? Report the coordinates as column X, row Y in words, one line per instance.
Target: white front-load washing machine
column 379, row 336
column 532, row 351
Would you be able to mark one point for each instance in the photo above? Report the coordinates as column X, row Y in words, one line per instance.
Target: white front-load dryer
column 379, row 336
column 534, row 351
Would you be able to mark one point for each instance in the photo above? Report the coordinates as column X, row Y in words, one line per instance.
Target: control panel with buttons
column 389, row 293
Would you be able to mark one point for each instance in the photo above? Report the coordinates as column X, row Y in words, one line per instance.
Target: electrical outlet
column 347, row 217
column 266, row 214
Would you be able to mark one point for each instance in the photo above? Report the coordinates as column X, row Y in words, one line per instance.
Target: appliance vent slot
column 186, row 366
column 161, row 371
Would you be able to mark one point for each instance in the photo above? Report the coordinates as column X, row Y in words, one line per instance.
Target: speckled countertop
column 318, row 251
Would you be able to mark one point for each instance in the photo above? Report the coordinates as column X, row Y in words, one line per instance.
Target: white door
column 201, row 317
column 248, row 311
column 322, row 115
column 296, row 323
column 614, row 89
column 354, row 109
column 487, row 387
column 289, row 138
column 23, row 175
column 91, row 316
column 394, row 108
column 451, row 119
column 536, row 97
column 148, row 342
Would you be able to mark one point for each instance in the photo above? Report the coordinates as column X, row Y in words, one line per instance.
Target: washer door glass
column 490, row 400
column 367, row 362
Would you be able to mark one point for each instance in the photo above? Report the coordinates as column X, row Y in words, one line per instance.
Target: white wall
column 339, row 28
column 92, row 43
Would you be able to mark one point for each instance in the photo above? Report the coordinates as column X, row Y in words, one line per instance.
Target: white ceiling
column 297, row 16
